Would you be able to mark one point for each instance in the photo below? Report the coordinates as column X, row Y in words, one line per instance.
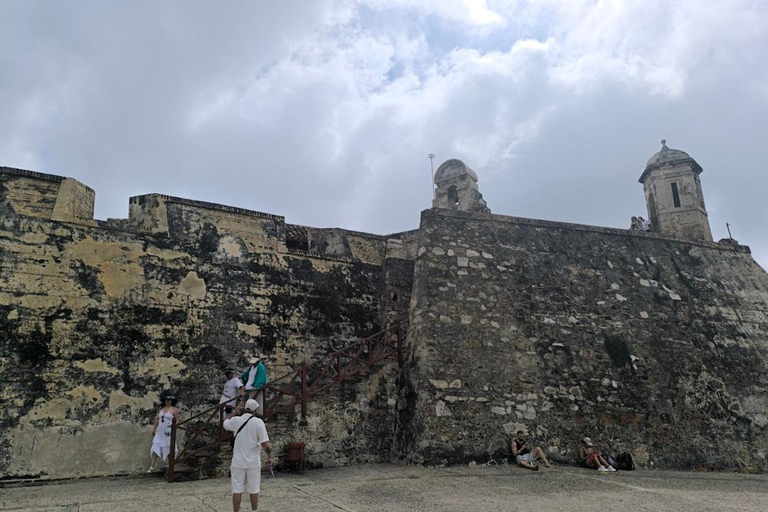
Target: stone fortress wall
column 654, row 345
column 654, row 342
column 99, row 317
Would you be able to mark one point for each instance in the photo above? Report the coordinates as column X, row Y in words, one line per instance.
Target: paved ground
column 409, row 488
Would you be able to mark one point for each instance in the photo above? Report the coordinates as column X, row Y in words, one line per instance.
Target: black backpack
column 625, row 462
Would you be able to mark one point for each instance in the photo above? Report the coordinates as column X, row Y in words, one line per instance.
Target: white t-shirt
column 231, row 390
column 251, row 376
column 247, row 451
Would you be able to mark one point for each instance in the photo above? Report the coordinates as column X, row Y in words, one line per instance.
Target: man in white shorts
column 525, row 455
column 250, row 438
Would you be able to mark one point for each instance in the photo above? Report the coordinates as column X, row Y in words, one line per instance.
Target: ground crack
column 204, row 503
column 322, row 499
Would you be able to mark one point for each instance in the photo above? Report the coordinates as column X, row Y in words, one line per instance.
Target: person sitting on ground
column 590, row 458
column 524, row 455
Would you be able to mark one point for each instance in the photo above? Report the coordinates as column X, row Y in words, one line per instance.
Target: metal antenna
column 729, row 230
column 431, row 157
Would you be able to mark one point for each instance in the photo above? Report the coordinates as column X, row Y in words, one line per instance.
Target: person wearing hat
column 233, row 388
column 250, row 439
column 589, row 458
column 161, row 432
column 255, row 378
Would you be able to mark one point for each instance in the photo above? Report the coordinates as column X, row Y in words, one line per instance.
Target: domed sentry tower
column 673, row 195
column 457, row 188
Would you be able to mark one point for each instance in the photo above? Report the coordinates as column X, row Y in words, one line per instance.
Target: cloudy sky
column 324, row 111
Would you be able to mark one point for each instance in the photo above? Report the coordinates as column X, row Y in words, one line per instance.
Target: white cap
column 251, row 405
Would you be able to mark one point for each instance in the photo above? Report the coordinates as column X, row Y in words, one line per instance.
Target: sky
column 325, row 111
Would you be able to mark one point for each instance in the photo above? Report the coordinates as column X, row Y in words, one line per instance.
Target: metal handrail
column 356, row 361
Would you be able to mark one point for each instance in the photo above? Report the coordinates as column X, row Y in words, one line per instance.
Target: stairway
column 206, row 441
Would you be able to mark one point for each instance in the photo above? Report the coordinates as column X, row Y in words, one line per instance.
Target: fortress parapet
column 46, row 196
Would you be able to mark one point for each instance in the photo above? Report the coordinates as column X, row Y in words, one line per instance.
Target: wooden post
column 172, row 454
column 400, row 357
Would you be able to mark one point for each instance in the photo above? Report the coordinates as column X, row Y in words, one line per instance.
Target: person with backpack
column 250, row 438
column 590, row 458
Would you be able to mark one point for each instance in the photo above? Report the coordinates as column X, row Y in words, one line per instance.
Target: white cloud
column 470, row 12
column 325, row 111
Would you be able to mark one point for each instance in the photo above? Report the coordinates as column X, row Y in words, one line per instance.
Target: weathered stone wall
column 650, row 344
column 98, row 318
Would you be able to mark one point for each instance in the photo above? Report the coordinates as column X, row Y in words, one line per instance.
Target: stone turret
column 673, row 195
column 457, row 188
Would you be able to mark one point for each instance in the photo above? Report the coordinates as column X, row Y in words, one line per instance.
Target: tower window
column 675, row 195
column 453, row 195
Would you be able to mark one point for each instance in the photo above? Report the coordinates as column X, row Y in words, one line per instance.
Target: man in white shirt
column 232, row 389
column 246, row 454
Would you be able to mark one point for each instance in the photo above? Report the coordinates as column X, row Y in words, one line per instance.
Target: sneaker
column 611, row 469
column 603, row 469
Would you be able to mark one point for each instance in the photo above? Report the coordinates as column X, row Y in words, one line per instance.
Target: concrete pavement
column 406, row 488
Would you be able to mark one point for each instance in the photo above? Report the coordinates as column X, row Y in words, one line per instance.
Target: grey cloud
column 304, row 115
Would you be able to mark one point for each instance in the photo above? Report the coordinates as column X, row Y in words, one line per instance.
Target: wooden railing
column 284, row 393
column 297, row 387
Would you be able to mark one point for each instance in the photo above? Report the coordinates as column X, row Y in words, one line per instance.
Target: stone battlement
column 585, row 228
column 46, row 195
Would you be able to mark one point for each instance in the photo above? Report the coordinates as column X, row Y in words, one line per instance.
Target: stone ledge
column 32, row 174
column 317, row 255
column 508, row 219
column 219, row 207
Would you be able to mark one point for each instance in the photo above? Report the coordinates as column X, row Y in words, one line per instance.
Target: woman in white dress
column 161, row 440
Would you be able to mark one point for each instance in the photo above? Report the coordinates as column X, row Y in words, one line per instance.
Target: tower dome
column 668, row 156
column 454, row 167
column 456, row 188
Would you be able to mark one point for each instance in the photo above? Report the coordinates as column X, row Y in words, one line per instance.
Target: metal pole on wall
column 431, row 157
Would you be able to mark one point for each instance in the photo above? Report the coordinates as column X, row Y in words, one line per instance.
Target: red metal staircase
column 286, row 392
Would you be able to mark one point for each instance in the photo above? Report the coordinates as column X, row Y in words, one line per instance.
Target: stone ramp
column 405, row 488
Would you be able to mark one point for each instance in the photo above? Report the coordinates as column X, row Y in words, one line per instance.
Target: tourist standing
column 161, row 432
column 255, row 378
column 250, row 438
column 233, row 388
